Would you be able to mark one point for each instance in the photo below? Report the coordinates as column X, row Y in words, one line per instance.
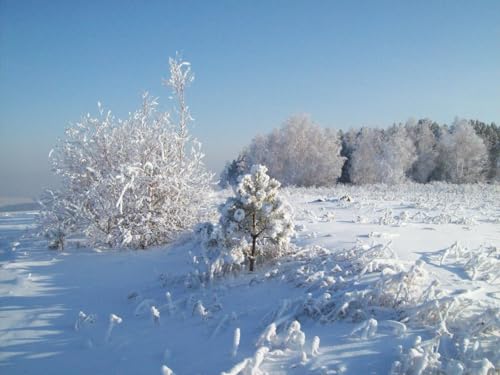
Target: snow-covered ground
column 374, row 269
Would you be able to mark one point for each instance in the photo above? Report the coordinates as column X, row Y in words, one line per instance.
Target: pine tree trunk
column 252, row 256
column 254, row 240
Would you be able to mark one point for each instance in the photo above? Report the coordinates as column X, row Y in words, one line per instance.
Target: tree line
column 301, row 153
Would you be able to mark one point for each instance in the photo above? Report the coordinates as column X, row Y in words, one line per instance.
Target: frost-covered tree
column 490, row 134
column 136, row 182
column 426, row 150
column 398, row 155
column 364, row 163
column 257, row 216
column 381, row 156
column 463, row 154
column 363, row 170
column 299, row 153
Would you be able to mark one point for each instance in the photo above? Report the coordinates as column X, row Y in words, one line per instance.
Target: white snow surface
column 397, row 280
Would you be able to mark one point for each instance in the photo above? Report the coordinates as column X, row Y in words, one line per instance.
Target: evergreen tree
column 232, row 171
column 258, row 216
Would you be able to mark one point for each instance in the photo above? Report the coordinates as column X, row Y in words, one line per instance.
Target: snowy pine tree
column 257, row 216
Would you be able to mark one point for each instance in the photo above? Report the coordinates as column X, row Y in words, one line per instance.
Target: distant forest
column 301, row 153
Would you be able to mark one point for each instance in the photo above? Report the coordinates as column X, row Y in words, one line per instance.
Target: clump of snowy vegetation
column 133, row 183
column 482, row 263
column 273, row 345
column 369, row 286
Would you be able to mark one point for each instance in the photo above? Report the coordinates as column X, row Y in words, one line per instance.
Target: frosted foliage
column 136, row 182
column 364, row 168
column 57, row 218
column 426, row 147
column 398, row 155
column 463, row 154
column 257, row 213
column 381, row 156
column 291, row 151
column 180, row 78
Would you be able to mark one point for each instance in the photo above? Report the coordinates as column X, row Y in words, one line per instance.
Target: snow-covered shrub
column 257, row 219
column 58, row 218
column 422, row 358
column 295, row 338
column 136, row 182
column 218, row 256
column 482, row 263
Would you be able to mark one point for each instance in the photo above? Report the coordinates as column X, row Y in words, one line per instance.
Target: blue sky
column 347, row 63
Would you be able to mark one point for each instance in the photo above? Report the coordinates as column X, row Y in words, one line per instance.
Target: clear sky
column 347, row 63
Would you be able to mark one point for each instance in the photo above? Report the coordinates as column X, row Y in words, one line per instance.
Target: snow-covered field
column 382, row 279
